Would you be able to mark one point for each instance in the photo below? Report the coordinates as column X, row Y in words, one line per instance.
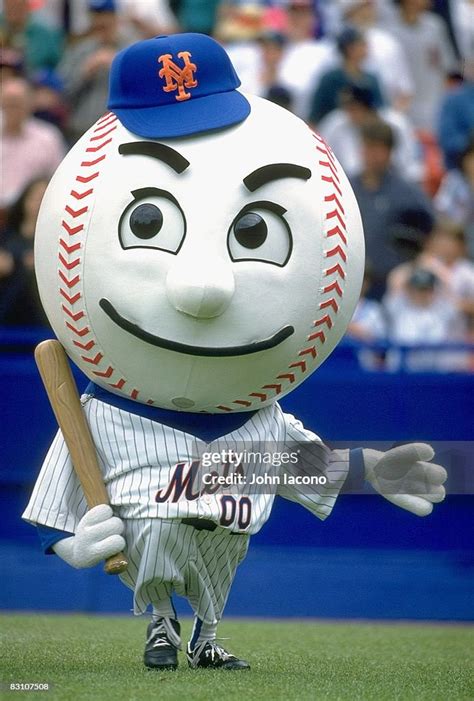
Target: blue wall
column 369, row 559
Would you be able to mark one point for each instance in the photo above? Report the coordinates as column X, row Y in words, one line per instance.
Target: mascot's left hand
column 404, row 476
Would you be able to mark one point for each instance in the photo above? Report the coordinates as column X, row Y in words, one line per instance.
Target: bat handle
column 116, row 564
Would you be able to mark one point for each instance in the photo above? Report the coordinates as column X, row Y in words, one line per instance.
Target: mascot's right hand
column 98, row 536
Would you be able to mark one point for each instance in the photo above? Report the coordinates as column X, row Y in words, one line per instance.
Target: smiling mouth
column 177, row 347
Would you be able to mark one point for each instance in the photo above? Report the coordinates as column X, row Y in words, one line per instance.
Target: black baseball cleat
column 163, row 643
column 208, row 654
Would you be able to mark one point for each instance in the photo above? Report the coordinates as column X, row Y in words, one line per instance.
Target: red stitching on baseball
column 87, row 164
column 334, row 286
column 85, row 346
column 301, row 364
column 330, row 303
column 88, row 178
column 95, row 360
column 318, row 335
column 71, row 230
column 312, row 351
column 328, row 164
column 224, row 408
column 260, row 395
column 134, row 393
column 79, row 332
column 81, row 195
column 326, row 319
column 336, row 231
column 117, row 385
column 76, row 316
column 67, row 281
column 277, row 388
column 76, row 212
column 290, row 376
column 105, row 373
column 336, row 269
column 337, row 251
column 71, row 300
column 69, row 249
column 242, row 402
column 72, row 264
column 106, row 133
column 330, row 179
column 94, row 149
column 333, row 198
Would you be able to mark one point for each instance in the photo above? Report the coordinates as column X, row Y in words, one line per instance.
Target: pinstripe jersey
column 152, row 470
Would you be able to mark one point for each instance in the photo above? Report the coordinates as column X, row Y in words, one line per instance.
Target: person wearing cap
column 353, row 50
column 85, row 67
column 420, row 314
column 387, row 200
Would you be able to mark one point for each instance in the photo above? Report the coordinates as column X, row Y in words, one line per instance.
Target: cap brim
column 193, row 116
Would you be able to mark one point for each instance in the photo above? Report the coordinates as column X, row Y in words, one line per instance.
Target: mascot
column 199, row 253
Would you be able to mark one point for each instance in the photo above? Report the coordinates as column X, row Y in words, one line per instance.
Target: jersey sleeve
column 317, row 477
column 57, row 500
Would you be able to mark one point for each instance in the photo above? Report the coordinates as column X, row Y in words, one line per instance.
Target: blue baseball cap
column 175, row 85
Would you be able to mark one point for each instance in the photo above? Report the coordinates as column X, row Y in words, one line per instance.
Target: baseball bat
column 62, row 392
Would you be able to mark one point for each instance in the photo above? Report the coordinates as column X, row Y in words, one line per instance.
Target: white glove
column 405, row 477
column 98, row 536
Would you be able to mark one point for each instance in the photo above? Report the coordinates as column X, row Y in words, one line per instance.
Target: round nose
column 200, row 288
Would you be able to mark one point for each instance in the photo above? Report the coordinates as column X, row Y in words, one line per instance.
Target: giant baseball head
column 197, row 249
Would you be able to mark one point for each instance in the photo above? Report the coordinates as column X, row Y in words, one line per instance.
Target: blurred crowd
column 388, row 83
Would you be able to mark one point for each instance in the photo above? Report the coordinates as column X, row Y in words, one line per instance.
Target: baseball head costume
column 199, row 253
column 197, row 249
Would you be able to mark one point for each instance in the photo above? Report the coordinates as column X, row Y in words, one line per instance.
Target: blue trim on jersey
column 49, row 537
column 355, row 480
column 207, row 427
column 196, row 633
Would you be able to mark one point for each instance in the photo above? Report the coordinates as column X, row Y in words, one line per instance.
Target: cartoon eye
column 260, row 232
column 153, row 220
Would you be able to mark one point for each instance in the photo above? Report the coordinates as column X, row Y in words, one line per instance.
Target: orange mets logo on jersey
column 176, row 77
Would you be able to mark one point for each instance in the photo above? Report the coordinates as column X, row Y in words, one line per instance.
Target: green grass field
column 99, row 658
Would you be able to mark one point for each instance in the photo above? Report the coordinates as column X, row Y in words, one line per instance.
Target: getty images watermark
column 234, row 472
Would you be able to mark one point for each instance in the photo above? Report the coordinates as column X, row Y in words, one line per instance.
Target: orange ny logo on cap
column 178, row 78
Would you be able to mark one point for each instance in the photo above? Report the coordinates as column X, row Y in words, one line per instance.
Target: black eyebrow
column 155, row 150
column 275, row 171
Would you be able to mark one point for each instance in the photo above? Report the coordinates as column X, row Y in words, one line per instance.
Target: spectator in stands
column 85, row 67
column 305, row 58
column 444, row 255
column 30, row 148
column 353, row 49
column 368, row 321
column 456, row 118
column 426, row 44
column 387, row 201
column 455, row 197
column 19, row 301
column 40, row 45
column 341, row 129
column 420, row 314
column 385, row 57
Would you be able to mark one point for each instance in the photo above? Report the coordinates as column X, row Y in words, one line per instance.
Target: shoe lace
column 214, row 650
column 164, row 633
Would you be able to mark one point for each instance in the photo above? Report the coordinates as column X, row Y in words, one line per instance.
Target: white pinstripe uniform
column 139, row 458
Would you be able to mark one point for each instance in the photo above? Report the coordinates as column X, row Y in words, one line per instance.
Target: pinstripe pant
column 167, row 556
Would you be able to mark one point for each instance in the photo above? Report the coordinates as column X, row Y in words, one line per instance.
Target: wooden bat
column 56, row 374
